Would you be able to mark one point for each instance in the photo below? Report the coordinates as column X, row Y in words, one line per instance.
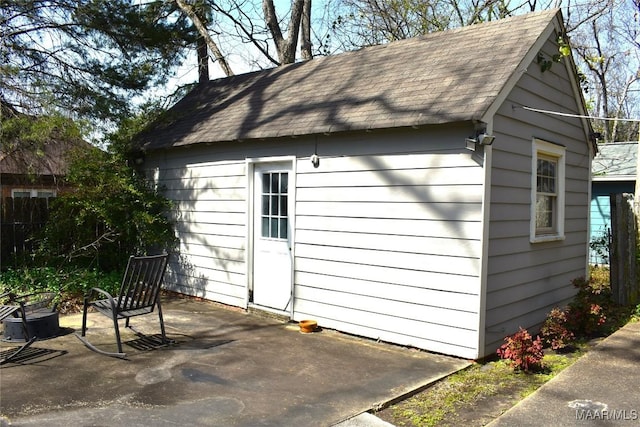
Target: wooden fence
column 20, row 219
column 625, row 283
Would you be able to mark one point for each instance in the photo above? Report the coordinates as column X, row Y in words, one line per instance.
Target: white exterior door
column 272, row 265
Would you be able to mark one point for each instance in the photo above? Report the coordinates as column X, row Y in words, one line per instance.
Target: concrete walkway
column 228, row 368
column 601, row 388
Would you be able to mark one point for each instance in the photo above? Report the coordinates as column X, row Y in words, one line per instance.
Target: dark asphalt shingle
column 443, row 77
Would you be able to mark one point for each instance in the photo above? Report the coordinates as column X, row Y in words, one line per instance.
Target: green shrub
column 592, row 312
column 113, row 212
column 635, row 315
column 554, row 331
column 69, row 283
column 587, row 313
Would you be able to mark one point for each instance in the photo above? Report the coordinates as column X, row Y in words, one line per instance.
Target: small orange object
column 307, row 326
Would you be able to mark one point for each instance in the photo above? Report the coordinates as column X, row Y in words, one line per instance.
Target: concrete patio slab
column 228, row 367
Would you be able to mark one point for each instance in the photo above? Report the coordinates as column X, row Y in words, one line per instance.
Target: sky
column 238, row 55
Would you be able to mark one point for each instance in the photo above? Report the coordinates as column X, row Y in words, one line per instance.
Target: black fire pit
column 41, row 324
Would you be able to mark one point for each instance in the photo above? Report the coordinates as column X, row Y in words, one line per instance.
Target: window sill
column 547, row 238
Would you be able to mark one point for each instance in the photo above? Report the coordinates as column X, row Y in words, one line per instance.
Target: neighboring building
column 31, row 169
column 613, row 172
column 348, row 189
column 27, row 173
column 31, row 173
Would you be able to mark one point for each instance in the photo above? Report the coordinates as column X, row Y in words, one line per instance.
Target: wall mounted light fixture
column 315, row 160
column 480, row 139
column 485, row 139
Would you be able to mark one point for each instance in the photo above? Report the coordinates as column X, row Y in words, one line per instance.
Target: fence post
column 624, row 275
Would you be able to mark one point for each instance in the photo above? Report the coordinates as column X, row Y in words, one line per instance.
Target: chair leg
column 162, row 330
column 84, row 317
column 82, row 336
column 117, row 329
column 28, row 340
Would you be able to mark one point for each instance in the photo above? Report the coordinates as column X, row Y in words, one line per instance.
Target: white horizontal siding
column 456, row 284
column 389, row 247
column 526, row 280
column 431, row 315
column 439, row 246
column 205, row 228
column 437, row 338
column 214, row 257
column 391, row 193
column 204, row 183
column 385, row 290
column 210, row 215
column 387, row 232
column 222, row 218
column 407, row 260
column 202, row 206
column 380, row 209
column 446, row 229
column 218, row 194
column 469, row 175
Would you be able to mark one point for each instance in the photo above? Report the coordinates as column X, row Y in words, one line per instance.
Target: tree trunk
column 305, row 38
column 203, row 61
column 287, row 47
column 202, row 29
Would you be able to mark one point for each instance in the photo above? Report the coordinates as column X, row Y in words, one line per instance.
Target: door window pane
column 283, row 228
column 274, row 210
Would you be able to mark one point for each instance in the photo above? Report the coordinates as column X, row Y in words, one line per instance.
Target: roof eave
column 609, row 178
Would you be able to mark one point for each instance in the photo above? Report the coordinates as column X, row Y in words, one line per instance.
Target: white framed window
column 547, row 191
column 32, row 193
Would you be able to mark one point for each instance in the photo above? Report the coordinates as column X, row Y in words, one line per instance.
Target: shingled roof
column 616, row 161
column 26, row 157
column 443, row 77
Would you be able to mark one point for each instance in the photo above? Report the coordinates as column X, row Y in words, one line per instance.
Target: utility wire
column 557, row 113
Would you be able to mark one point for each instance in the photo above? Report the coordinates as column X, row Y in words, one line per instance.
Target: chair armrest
column 36, row 301
column 108, row 296
column 9, row 295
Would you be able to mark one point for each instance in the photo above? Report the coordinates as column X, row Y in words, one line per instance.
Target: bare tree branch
column 197, row 22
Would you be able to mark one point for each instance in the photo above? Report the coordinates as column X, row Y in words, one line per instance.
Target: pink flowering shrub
column 522, row 351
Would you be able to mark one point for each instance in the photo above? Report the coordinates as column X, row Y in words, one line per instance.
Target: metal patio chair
column 139, row 295
column 21, row 306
